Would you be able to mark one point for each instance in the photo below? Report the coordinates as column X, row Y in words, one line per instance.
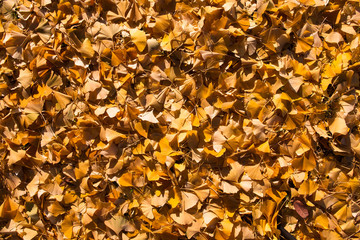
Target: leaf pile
column 165, row 119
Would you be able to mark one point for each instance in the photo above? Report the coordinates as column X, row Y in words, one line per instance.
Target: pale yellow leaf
column 149, row 117
column 189, row 200
column 338, row 126
column 87, row 49
column 334, row 37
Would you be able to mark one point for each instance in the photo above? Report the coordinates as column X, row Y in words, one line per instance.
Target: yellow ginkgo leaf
column 29, row 234
column 165, row 146
column 162, row 23
column 308, row 187
column 147, row 209
column 82, row 170
column 339, row 126
column 304, row 162
column 142, row 128
column 87, row 49
column 152, row 175
column 56, row 209
column 254, row 108
column 182, row 218
column 218, row 141
column 254, row 172
column 149, row 117
column 334, row 37
column 304, row 44
column 174, row 199
column 264, row 147
column 322, row 221
column 25, row 77
column 116, row 223
column 126, row 180
column 341, row 210
column 166, row 43
column 227, row 227
column 138, row 37
column 67, row 226
column 62, row 99
column 189, row 199
column 8, row 208
column 112, row 135
column 118, row 56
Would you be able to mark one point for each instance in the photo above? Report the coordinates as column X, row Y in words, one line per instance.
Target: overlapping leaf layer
column 166, row 119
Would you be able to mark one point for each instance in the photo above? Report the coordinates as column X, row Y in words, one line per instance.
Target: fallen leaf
column 139, row 39
column 301, row 209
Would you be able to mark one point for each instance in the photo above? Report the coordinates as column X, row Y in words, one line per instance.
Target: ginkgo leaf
column 152, row 175
column 62, row 99
column 264, row 147
column 118, row 56
column 126, row 180
column 304, row 44
column 116, row 223
column 228, row 187
column 138, row 37
column 8, row 208
column 165, row 146
column 16, row 156
column 338, row 126
column 111, row 112
column 246, row 183
column 322, row 221
column 334, row 37
column 234, row 173
column 194, row 228
column 218, row 141
column 276, row 195
column 182, row 218
column 29, row 234
column 82, row 170
column 296, row 83
column 308, row 187
column 174, row 200
column 149, row 117
column 147, row 209
column 227, row 226
column 189, row 200
column 304, row 163
column 67, row 226
column 141, row 128
column 25, row 77
column 202, row 192
column 166, row 43
column 161, row 200
column 87, row 49
column 34, row 106
column 341, row 211
column 209, row 217
column 56, row 209
column 254, row 172
column 331, row 235
column 162, row 23
column 91, row 86
column 112, row 135
column 54, row 81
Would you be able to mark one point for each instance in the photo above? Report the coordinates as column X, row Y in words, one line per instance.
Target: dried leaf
column 301, row 209
column 87, row 49
column 139, row 39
